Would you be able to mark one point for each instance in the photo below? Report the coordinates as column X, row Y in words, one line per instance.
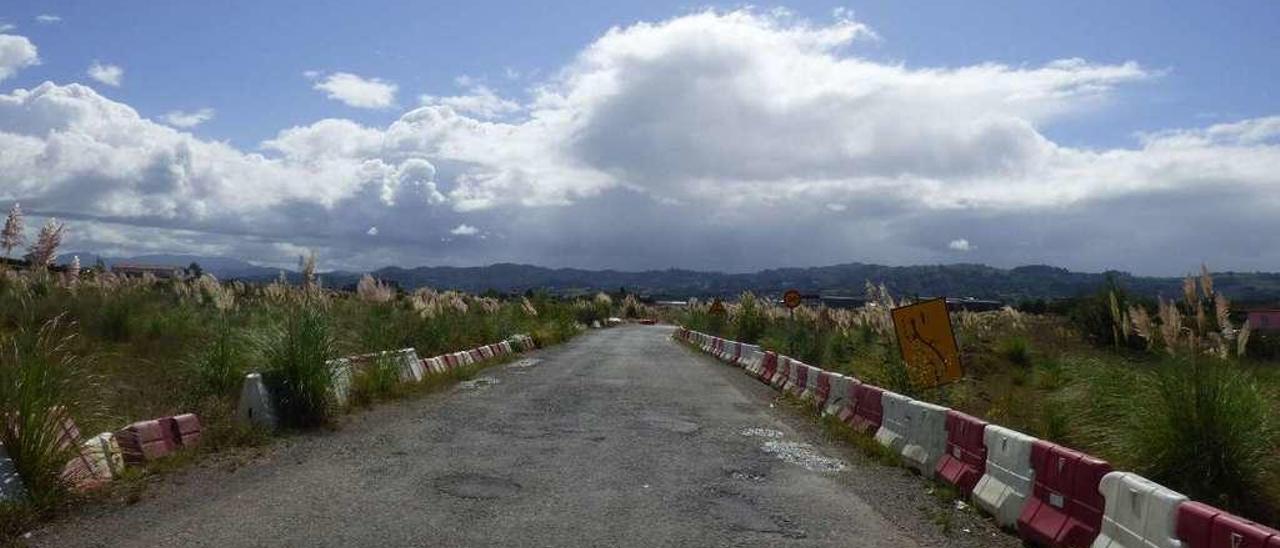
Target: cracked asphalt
column 621, row 437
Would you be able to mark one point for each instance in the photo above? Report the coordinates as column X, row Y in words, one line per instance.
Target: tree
column 194, row 270
column 11, row 235
column 45, row 248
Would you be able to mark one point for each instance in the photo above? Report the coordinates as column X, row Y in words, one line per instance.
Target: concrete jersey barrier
column 893, row 424
column 926, row 436
column 1202, row 526
column 839, row 396
column 1065, row 506
column 965, row 459
column 255, row 406
column 1003, row 489
column 1139, row 513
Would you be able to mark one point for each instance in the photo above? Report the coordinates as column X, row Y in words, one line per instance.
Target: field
column 106, row 351
column 1180, row 393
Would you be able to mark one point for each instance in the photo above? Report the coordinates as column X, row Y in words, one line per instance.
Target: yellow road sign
column 927, row 342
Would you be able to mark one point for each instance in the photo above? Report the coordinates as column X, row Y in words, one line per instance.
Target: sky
column 1137, row 136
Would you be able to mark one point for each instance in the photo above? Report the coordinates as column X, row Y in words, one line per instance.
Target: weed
column 43, row 383
column 296, row 351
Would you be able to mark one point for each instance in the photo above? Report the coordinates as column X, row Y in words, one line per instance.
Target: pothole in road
column 803, row 455
column 477, row 486
column 478, row 382
column 742, row 515
column 760, row 433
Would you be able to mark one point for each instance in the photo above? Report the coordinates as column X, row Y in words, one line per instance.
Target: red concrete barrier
column 801, row 374
column 451, row 361
column 868, row 410
column 144, row 441
column 476, row 356
column 823, row 391
column 1065, row 507
column 184, row 429
column 769, row 367
column 966, row 458
column 737, row 353
column 1203, row 526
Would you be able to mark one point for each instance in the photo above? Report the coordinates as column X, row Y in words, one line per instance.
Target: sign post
column 928, row 343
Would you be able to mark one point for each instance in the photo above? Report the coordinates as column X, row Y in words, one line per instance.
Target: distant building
column 972, row 305
column 139, row 270
column 1264, row 319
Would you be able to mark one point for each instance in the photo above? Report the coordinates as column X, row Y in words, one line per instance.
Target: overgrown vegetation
column 1173, row 390
column 105, row 350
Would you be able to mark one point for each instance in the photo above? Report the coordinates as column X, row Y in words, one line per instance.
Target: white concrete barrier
column 341, row 375
column 103, row 454
column 11, row 487
column 752, row 358
column 1139, row 513
column 436, row 365
column 926, row 437
column 486, row 352
column 893, row 426
column 1003, row 489
column 839, row 396
column 255, row 403
column 810, row 389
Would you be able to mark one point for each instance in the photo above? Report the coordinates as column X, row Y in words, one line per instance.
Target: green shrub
column 375, row 381
column 1017, row 350
column 1199, row 426
column 219, row 367
column 296, row 351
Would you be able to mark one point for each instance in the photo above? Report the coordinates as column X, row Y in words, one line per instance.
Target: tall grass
column 295, row 352
column 1198, row 425
column 220, row 365
column 43, row 382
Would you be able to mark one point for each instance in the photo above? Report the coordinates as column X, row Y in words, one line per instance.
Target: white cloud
column 48, row 18
column 357, row 91
column 480, row 101
column 183, row 119
column 959, row 245
column 464, row 230
column 373, row 231
column 6, row 27
column 16, row 53
column 703, row 141
column 111, row 75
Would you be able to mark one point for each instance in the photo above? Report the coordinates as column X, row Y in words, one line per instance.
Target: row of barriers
column 255, row 406
column 1050, row 494
column 102, row 458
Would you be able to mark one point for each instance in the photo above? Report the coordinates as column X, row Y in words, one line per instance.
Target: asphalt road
column 621, row 437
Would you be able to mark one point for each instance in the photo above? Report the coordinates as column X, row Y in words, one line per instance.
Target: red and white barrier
column 1055, row 496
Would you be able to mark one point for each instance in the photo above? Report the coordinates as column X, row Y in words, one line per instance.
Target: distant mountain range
column 954, row 280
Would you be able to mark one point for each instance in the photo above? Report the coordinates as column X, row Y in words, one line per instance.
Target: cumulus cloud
column 111, row 75
column 356, row 91
column 184, row 119
column 724, row 140
column 48, row 18
column 479, row 101
column 16, row 53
